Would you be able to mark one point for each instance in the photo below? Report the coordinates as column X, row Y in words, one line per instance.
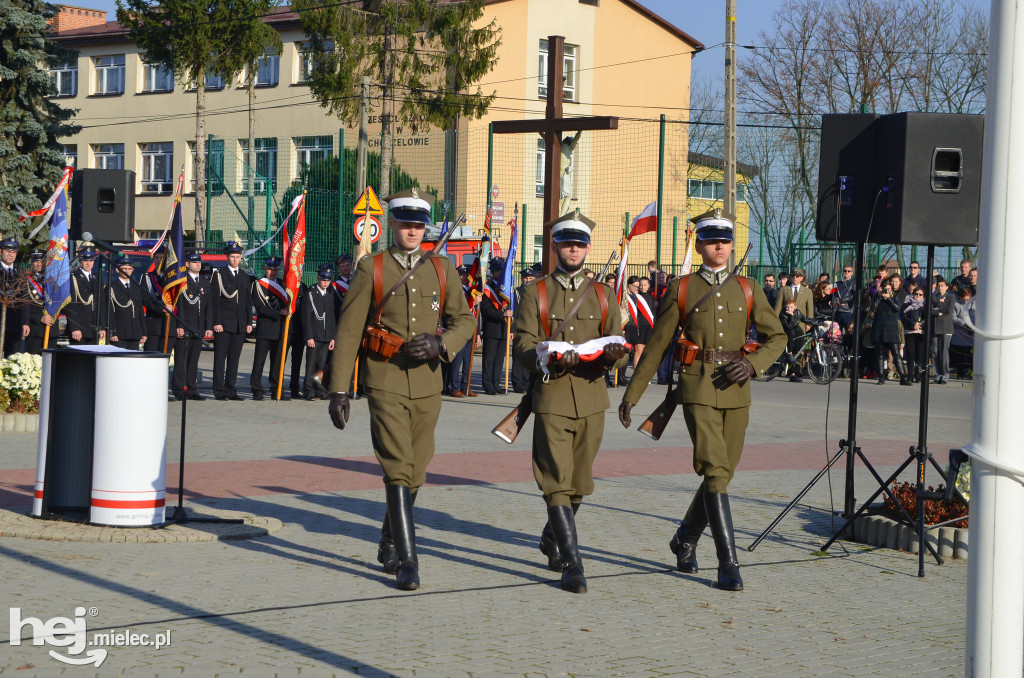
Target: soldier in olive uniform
column 713, row 390
column 570, row 401
column 82, row 310
column 33, row 312
column 404, row 391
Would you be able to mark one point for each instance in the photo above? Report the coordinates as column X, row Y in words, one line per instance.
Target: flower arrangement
column 935, row 511
column 20, row 378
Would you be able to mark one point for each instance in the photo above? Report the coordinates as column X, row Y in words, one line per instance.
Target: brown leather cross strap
column 542, row 306
column 378, row 286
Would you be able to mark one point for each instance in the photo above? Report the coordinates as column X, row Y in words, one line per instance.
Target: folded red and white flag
column 588, row 350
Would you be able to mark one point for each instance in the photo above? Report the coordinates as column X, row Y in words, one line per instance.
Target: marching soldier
column 231, row 309
column 271, row 302
column 124, row 297
column 82, row 311
column 193, row 309
column 713, row 390
column 33, row 312
column 402, row 375
column 571, row 400
column 319, row 323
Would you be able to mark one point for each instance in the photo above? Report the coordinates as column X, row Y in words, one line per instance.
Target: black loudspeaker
column 103, row 203
column 910, row 178
column 846, row 176
column 931, row 164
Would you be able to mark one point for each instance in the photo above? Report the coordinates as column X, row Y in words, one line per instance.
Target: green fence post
column 661, row 186
column 209, row 193
column 522, row 239
column 675, row 242
column 341, row 189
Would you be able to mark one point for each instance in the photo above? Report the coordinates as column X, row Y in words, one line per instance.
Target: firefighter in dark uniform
column 82, row 311
column 571, row 399
column 404, row 391
column 494, row 309
column 124, row 299
column 297, row 344
column 157, row 317
column 520, row 375
column 192, row 309
column 319, row 323
column 458, row 369
column 271, row 302
column 9, row 276
column 714, row 390
column 32, row 313
column 232, row 320
column 344, row 265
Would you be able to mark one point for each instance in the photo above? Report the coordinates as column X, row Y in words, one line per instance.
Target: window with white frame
column 108, row 156
column 109, row 74
column 157, row 78
column 65, row 78
column 569, row 92
column 214, row 166
column 214, row 81
column 265, row 163
column 538, row 247
column 157, row 162
column 267, row 70
column 70, row 152
column 310, row 149
column 308, row 58
column 540, row 168
column 713, row 190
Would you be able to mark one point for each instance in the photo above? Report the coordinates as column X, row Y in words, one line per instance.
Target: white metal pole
column 995, row 571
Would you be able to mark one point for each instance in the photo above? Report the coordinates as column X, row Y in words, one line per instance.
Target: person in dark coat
column 191, row 308
column 885, row 332
column 82, row 311
column 157, row 317
column 33, row 312
column 494, row 310
column 793, row 322
column 124, row 299
column 943, row 306
column 319, row 323
column 271, row 302
column 232, row 320
column 297, row 344
column 521, row 375
column 9, row 274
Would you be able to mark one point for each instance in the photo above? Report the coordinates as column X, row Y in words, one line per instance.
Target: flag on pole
column 508, row 275
column 295, row 254
column 645, row 222
column 688, row 260
column 444, row 229
column 47, row 210
column 620, row 276
column 175, row 205
column 58, row 271
column 172, row 266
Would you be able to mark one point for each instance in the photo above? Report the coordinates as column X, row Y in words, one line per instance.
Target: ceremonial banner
column 172, row 269
column 295, row 255
column 58, row 271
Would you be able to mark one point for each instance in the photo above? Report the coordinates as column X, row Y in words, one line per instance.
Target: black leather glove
column 567, row 363
column 339, row 410
column 424, row 346
column 624, row 410
column 739, row 371
column 611, row 354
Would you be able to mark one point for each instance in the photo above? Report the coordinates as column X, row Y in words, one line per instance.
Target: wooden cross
column 550, row 127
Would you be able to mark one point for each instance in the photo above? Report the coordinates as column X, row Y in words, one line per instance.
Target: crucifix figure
column 557, row 159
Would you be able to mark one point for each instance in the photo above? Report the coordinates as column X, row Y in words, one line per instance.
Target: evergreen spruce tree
column 31, row 158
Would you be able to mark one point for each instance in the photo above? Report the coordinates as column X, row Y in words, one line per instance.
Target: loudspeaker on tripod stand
column 103, row 203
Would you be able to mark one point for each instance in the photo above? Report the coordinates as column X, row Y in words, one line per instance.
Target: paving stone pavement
column 309, row 599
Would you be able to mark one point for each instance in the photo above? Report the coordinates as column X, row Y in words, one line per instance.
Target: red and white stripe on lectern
column 129, row 441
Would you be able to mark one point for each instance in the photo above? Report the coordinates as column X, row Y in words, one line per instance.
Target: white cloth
column 588, row 350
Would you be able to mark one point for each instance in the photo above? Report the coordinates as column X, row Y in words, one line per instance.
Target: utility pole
column 730, row 110
column 364, row 134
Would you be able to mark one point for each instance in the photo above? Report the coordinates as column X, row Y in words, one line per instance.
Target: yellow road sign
column 368, row 199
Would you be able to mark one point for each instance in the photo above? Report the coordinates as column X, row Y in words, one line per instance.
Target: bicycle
column 822, row 358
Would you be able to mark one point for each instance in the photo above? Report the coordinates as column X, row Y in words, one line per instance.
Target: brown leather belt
column 710, row 356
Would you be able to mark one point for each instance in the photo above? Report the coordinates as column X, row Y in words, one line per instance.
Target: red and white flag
column 645, row 222
column 639, row 308
column 295, row 254
column 620, row 277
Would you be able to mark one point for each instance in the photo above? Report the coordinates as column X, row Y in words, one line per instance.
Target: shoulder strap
column 748, row 296
column 684, row 288
column 378, row 287
column 602, row 299
column 443, row 281
column 542, row 307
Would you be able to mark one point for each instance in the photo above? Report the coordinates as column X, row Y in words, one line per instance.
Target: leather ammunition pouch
column 379, row 343
column 686, row 351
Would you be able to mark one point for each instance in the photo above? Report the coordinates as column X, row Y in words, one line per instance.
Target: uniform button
column 413, row 289
column 414, row 304
column 412, row 320
column 570, row 299
column 718, row 294
column 412, row 277
column 720, row 334
column 719, row 348
column 720, row 308
column 572, row 328
column 719, row 320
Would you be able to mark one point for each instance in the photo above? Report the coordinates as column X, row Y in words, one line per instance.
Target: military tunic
column 716, row 411
column 404, row 394
column 570, row 408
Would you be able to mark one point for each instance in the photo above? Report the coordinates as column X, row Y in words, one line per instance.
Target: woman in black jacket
column 885, row 332
column 912, row 316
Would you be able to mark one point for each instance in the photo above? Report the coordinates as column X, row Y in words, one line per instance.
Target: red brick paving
column 306, row 474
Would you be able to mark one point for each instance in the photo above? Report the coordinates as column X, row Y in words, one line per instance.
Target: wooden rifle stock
column 655, row 424
column 509, row 427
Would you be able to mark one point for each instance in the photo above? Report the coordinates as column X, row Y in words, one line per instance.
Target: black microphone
column 87, row 237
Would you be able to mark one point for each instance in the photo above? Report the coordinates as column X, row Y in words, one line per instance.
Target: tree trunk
column 200, row 171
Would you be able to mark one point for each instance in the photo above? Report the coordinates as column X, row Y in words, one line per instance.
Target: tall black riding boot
column 387, row 556
column 720, row 520
column 549, row 545
column 901, row 369
column 563, row 524
column 403, row 532
column 882, row 372
column 684, row 544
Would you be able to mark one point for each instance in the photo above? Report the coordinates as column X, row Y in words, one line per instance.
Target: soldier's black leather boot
column 403, row 532
column 564, row 527
column 549, row 545
column 387, row 556
column 720, row 521
column 684, row 544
